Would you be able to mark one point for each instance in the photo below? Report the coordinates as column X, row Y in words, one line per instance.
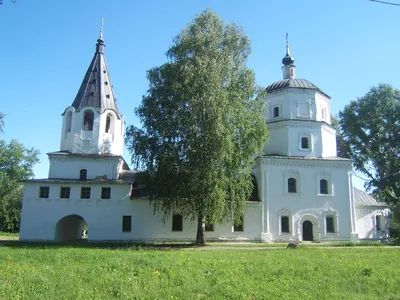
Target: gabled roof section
column 96, row 88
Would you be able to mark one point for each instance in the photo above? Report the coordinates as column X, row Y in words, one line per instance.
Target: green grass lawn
column 62, row 272
column 8, row 233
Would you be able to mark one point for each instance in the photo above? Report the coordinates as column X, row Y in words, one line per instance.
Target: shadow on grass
column 115, row 245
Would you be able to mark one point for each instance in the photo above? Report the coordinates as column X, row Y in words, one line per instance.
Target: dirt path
column 8, row 238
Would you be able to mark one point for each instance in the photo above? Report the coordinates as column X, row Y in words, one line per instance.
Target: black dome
column 287, row 60
column 292, row 83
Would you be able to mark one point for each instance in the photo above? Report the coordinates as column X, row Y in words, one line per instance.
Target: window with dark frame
column 330, row 225
column 105, row 193
column 108, row 123
column 177, row 222
column 323, row 186
column 292, row 185
column 209, row 227
column 88, row 120
column 305, row 143
column 276, row 111
column 126, row 223
column 239, row 227
column 65, row 192
column 378, row 220
column 285, row 224
column 85, row 193
column 83, row 174
column 44, row 192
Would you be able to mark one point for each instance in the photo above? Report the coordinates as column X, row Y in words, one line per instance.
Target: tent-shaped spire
column 96, row 89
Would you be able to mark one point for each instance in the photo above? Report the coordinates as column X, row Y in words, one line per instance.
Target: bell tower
column 298, row 116
column 93, row 124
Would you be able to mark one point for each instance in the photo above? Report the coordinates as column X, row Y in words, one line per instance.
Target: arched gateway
column 308, row 231
column 71, row 228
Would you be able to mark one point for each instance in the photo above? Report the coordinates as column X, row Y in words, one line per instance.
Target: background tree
column 341, row 145
column 202, row 125
column 16, row 164
column 1, row 122
column 370, row 128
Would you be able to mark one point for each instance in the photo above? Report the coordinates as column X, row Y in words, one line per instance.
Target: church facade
column 305, row 192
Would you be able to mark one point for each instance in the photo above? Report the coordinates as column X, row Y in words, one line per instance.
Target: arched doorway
column 308, row 231
column 71, row 228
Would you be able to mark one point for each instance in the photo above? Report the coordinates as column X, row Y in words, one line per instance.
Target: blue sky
column 343, row 46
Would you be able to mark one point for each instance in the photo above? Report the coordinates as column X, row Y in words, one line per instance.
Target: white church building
column 303, row 191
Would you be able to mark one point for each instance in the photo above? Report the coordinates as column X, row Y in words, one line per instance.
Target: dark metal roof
column 363, row 199
column 125, row 165
column 77, row 181
column 96, row 88
column 293, row 83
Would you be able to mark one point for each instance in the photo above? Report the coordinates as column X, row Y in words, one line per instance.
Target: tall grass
column 51, row 272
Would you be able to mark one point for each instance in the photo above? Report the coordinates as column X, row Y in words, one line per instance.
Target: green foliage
column 202, row 124
column 341, row 146
column 2, row 115
column 308, row 273
column 16, row 164
column 370, row 128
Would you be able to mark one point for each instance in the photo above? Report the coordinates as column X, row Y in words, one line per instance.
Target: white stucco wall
column 286, row 135
column 104, row 216
column 307, row 203
column 76, row 139
column 68, row 166
column 366, row 223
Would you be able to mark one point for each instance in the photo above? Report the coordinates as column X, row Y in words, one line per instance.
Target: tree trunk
column 200, row 238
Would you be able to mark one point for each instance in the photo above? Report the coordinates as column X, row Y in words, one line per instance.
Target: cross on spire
column 101, row 28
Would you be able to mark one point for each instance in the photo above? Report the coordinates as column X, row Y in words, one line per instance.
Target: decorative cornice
column 328, row 128
column 290, row 91
column 83, row 158
column 304, row 163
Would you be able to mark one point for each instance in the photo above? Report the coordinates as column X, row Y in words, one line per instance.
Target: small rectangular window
column 378, row 219
column 239, row 227
column 85, row 193
column 285, row 224
column 83, row 174
column 209, row 227
column 44, row 192
column 126, row 223
column 292, row 185
column 65, row 192
column 305, row 143
column 330, row 225
column 105, row 193
column 323, row 186
column 177, row 223
column 323, row 113
column 276, row 111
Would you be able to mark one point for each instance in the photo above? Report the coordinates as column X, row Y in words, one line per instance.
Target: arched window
column 379, row 222
column 109, row 124
column 292, row 185
column 304, row 143
column 83, row 174
column 68, row 122
column 177, row 223
column 323, row 186
column 276, row 111
column 88, row 119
